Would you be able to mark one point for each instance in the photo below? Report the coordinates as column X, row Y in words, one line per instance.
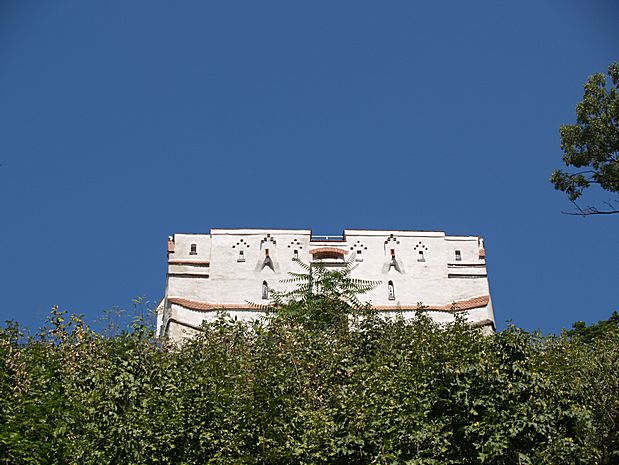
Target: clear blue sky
column 123, row 122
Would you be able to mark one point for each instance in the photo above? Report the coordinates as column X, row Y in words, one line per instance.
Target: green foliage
column 283, row 392
column 593, row 142
column 323, row 297
column 596, row 331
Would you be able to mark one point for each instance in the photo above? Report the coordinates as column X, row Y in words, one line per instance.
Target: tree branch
column 588, row 212
column 592, row 210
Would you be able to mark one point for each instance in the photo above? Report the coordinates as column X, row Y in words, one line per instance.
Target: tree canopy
column 590, row 333
column 592, row 144
column 387, row 392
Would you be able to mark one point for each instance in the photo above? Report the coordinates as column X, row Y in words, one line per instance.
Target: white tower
column 228, row 268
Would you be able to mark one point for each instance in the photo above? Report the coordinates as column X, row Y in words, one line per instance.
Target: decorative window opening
column 265, row 290
column 266, row 240
column 359, row 247
column 391, row 291
column 193, row 249
column 392, row 239
column 241, row 256
column 458, row 256
column 393, row 262
column 328, row 256
column 267, row 261
column 295, row 254
column 295, row 243
column 421, row 249
column 241, row 243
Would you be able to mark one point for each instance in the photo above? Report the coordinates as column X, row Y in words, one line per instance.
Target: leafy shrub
column 288, row 392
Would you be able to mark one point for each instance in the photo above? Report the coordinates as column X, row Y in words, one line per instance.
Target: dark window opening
column 328, row 256
column 265, row 290
column 391, row 290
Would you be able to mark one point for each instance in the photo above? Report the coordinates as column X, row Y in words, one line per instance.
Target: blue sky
column 124, row 122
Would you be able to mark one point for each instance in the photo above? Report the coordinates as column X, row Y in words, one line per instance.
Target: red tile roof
column 459, row 305
column 204, row 306
column 187, row 262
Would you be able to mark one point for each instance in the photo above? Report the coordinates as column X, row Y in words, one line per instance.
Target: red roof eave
column 456, row 306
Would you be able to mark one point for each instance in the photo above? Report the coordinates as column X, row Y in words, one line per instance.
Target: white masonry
column 231, row 268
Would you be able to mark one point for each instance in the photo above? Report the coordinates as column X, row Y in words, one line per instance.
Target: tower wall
column 229, row 269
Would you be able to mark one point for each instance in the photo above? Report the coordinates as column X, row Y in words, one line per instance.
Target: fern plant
column 322, row 295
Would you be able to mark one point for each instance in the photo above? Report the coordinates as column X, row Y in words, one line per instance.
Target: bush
column 288, row 392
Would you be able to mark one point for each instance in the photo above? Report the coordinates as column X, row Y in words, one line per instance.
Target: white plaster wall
column 230, row 281
column 182, row 246
column 183, row 321
column 195, row 318
column 425, row 282
column 235, row 282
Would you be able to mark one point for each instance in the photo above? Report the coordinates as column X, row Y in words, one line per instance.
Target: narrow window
column 359, row 257
column 266, row 252
column 193, row 249
column 265, row 290
column 421, row 258
column 393, row 263
column 241, row 256
column 295, row 255
column 391, row 290
column 458, row 256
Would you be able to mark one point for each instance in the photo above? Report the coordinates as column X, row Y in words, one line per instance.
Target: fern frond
column 261, row 307
column 320, row 279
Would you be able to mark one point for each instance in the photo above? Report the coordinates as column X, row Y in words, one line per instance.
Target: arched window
column 265, row 290
column 328, row 255
column 193, row 250
column 458, row 256
column 295, row 254
column 391, row 291
column 241, row 256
